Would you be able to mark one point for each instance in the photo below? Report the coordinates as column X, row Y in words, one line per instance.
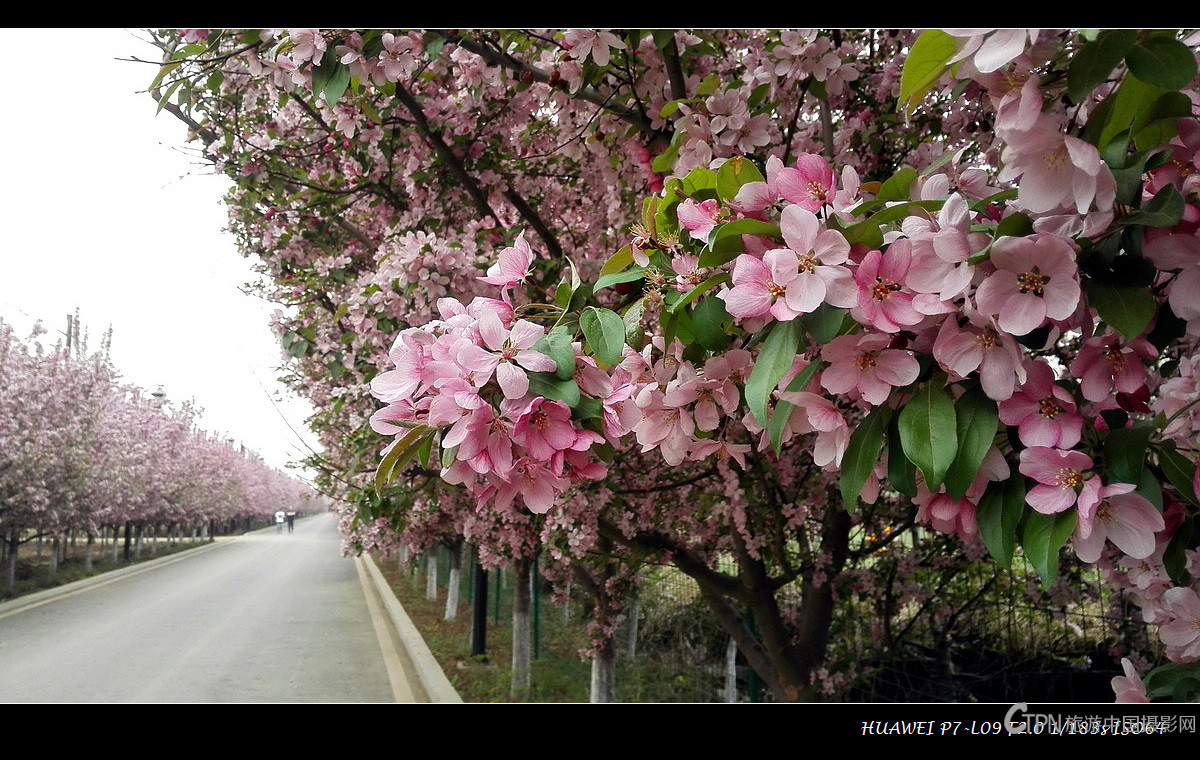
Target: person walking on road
column 291, row 520
column 279, row 521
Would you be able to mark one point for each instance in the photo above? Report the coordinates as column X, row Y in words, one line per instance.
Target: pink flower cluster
column 467, row 375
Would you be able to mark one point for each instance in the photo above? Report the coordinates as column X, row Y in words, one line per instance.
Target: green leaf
column 734, row 173
column 1157, row 125
column 605, row 333
column 1128, row 309
column 725, row 241
column 1014, row 225
column 1044, row 538
column 783, row 409
column 1165, row 209
column 865, row 233
column 903, row 210
column 929, row 57
column 1174, row 681
column 1175, row 559
column 617, row 263
column 1163, row 62
column 546, row 385
column 709, row 318
column 635, row 334
column 330, row 80
column 862, row 452
column 1096, row 60
column 824, row 323
column 999, row 514
column 699, row 290
column 399, row 455
column 616, row 278
column 1117, row 112
column 1179, row 471
column 902, row 475
column 557, row 345
column 976, row 420
column 928, row 432
column 897, row 186
column 774, row 360
column 699, row 183
column 1125, row 453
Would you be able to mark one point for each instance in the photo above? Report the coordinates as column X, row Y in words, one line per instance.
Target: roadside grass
column 558, row 674
column 35, row 570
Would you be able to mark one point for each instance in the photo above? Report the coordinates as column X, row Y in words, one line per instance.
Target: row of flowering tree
column 81, row 451
column 757, row 304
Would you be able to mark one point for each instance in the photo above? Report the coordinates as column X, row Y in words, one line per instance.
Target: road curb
column 428, row 672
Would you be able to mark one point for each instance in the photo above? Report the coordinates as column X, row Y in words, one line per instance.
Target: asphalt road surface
column 266, row 617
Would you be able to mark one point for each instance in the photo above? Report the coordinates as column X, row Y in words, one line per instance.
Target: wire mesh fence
column 999, row 636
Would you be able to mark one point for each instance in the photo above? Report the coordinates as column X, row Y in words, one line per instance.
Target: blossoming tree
column 701, row 295
column 82, row 451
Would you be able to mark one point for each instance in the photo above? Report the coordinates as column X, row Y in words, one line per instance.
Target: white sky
column 106, row 212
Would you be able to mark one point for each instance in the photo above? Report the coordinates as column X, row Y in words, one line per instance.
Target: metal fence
column 1010, row 640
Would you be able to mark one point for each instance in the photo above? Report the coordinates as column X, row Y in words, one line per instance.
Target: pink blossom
column 514, row 354
column 544, row 428
column 512, row 265
column 971, row 347
column 670, row 428
column 1179, row 254
column 484, row 442
column 1107, row 362
column 1056, row 170
column 883, row 300
column 1123, row 517
column 1036, row 279
column 699, row 218
column 1043, row 411
column 1180, row 630
column 689, row 388
column 950, row 516
column 767, row 286
column 535, row 485
column 989, row 49
column 1129, row 688
column 817, row 414
column 1063, row 481
column 596, row 44
column 809, row 184
column 819, row 256
column 865, row 366
column 754, row 198
column 941, row 248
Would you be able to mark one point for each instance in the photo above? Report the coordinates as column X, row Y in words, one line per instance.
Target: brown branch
column 526, row 72
column 467, row 182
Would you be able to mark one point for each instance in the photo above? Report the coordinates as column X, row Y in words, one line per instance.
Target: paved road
column 267, row 617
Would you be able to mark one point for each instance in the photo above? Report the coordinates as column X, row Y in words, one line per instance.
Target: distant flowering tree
column 80, row 450
column 739, row 294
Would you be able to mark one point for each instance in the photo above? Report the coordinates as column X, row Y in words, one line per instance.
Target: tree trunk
column 431, row 573
column 455, row 580
column 522, row 629
column 479, row 613
column 731, row 690
column 14, row 545
column 635, row 608
column 604, row 674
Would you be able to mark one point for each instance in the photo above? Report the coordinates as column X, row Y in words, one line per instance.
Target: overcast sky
column 107, row 212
